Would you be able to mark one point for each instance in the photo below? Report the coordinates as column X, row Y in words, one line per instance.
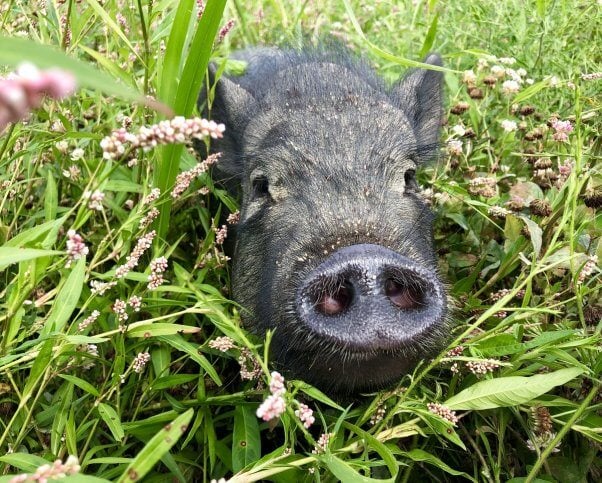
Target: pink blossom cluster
column 233, row 218
column 561, row 130
column 225, row 30
column 306, row 415
column 100, row 288
column 482, row 367
column 184, row 179
column 152, row 196
column 222, row 344
column 95, row 199
column 220, row 234
column 46, row 472
column 200, row 9
column 147, row 219
column 24, row 90
column 176, row 130
column 455, row 352
column 132, row 260
column 498, row 211
column 76, row 248
column 158, row 267
column 140, row 361
column 249, row 367
column 322, row 443
column 84, row 324
column 378, row 415
column 119, row 307
column 135, row 302
column 588, row 268
column 443, row 411
column 274, row 405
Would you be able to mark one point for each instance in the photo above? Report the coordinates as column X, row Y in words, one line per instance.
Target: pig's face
column 334, row 248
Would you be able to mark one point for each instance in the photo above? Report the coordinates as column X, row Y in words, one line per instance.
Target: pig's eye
column 410, row 180
column 260, row 186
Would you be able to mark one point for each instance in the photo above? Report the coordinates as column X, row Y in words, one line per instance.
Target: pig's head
column 334, row 249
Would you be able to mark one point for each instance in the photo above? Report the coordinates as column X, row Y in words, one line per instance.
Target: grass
column 515, row 396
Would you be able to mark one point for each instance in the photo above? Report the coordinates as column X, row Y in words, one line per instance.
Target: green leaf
column 343, row 472
column 429, row 39
column 316, row 394
column 51, row 201
column 112, row 420
column 420, row 455
column 47, row 231
column 66, row 300
column 63, row 398
column 510, row 391
column 10, row 255
column 246, row 443
column 177, row 342
column 156, row 448
column 504, row 344
column 150, row 329
column 186, row 95
column 84, row 385
column 14, row 51
column 23, row 461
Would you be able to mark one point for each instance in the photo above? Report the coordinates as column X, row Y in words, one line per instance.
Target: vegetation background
column 128, row 375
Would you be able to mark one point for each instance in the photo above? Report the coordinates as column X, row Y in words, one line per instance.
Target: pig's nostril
column 334, row 301
column 404, row 296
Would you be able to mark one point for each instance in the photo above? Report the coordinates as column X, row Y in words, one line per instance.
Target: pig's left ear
column 233, row 106
column 420, row 96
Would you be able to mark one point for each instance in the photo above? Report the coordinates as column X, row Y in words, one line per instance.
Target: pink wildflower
column 140, row 361
column 221, row 234
column 222, row 344
column 157, row 266
column 510, row 87
column 176, row 130
column 273, row 407
column 88, row 320
column 142, row 245
column 119, row 307
column 76, row 247
column 277, row 387
column 443, row 412
column 25, row 89
column 483, row 366
column 225, row 30
column 52, row 471
column 322, row 444
column 135, row 302
column 306, row 415
column 184, row 179
column 588, row 268
column 561, row 130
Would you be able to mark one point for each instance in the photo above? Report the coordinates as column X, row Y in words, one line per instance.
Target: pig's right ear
column 420, row 96
column 231, row 105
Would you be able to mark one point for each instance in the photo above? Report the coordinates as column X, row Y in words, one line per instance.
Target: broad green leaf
column 156, row 448
column 112, row 420
column 41, row 364
column 66, row 300
column 178, row 342
column 84, row 385
column 420, row 455
column 10, row 255
column 23, row 461
column 316, row 394
column 504, row 344
column 343, row 472
column 34, row 235
column 510, row 391
column 246, row 443
column 64, row 396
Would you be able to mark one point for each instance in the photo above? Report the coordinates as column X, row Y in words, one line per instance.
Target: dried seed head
column 540, row 207
column 460, row 108
column 476, row 93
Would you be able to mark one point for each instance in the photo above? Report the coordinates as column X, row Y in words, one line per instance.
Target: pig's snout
column 367, row 297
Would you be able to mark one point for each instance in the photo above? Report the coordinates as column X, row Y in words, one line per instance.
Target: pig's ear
column 233, row 106
column 420, row 95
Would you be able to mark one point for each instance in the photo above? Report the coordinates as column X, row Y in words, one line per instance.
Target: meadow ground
column 121, row 356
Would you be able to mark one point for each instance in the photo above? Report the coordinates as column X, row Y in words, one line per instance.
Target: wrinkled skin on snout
column 334, row 248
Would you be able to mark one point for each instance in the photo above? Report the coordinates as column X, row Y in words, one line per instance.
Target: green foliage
column 515, row 396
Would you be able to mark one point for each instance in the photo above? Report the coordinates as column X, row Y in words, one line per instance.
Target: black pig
column 334, row 247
